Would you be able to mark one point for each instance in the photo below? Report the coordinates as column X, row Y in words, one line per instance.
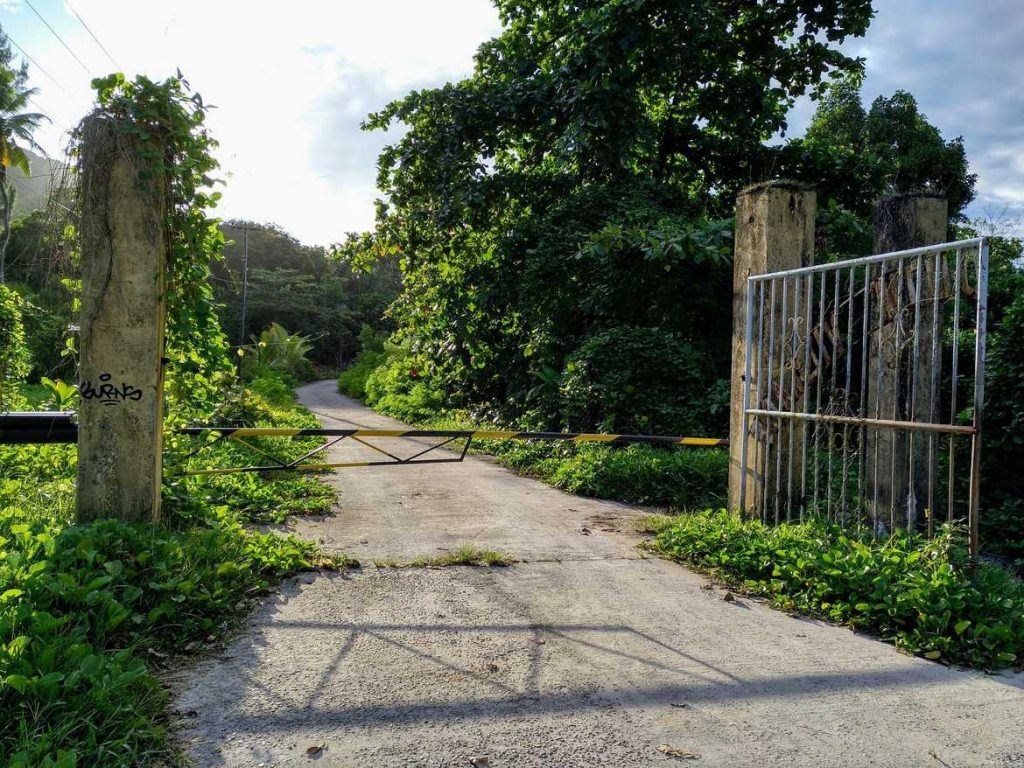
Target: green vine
column 167, row 121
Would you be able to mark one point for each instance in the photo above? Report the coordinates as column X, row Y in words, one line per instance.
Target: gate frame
column 901, row 258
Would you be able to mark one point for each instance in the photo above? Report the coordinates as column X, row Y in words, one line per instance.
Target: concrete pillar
column 901, row 222
column 121, row 330
column 774, row 231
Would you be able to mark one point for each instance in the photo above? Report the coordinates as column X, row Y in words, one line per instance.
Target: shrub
column 916, row 593
column 14, row 359
column 646, row 380
column 261, row 497
column 280, row 352
column 682, row 478
column 352, row 380
column 400, row 387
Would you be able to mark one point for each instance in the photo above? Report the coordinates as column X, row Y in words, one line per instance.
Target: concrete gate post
column 901, row 222
column 774, row 231
column 121, row 330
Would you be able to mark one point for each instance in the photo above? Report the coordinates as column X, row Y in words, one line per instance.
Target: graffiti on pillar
column 107, row 393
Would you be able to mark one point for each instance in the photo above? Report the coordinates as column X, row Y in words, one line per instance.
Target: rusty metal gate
column 860, row 404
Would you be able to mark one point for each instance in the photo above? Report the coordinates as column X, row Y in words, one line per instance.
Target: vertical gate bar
column 912, row 416
column 760, row 421
column 848, row 348
column 898, row 357
column 862, row 405
column 807, row 392
column 793, row 351
column 951, row 497
column 747, row 331
column 832, row 386
column 820, row 366
column 878, row 386
column 782, row 386
column 980, row 327
column 768, row 395
column 933, row 394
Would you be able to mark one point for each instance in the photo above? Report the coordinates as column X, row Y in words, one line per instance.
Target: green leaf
column 91, row 665
column 18, row 682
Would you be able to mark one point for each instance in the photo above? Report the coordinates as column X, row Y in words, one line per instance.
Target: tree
column 854, row 155
column 303, row 288
column 566, row 200
column 16, row 129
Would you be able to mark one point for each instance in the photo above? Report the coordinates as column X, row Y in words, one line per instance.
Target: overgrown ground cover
column 88, row 613
column 920, row 595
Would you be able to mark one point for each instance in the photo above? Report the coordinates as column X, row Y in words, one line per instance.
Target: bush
column 87, row 611
column 401, row 388
column 352, row 380
column 279, row 352
column 260, row 497
column 915, row 593
column 683, row 478
column 14, row 358
column 645, row 380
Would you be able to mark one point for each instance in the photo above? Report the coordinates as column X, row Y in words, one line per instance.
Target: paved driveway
column 587, row 654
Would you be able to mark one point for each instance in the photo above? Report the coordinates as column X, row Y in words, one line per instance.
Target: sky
column 291, row 83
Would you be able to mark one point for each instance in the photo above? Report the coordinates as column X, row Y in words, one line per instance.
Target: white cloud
column 291, row 83
column 962, row 61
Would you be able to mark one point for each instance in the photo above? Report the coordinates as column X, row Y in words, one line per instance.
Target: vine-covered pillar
column 122, row 326
column 774, row 232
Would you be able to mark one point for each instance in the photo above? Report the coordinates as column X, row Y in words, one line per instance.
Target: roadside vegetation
column 916, row 593
column 90, row 613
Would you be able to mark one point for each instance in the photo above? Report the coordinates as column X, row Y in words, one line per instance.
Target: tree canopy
column 888, row 149
column 565, row 203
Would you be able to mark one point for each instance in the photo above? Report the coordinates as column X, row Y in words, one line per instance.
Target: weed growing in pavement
column 467, row 554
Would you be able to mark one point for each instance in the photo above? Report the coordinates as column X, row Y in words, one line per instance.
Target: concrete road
column 586, row 655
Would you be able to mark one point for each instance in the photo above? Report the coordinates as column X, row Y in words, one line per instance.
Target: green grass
column 681, row 478
column 89, row 612
column 918, row 594
column 467, row 554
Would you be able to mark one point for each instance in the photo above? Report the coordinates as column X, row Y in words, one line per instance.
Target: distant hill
column 34, row 189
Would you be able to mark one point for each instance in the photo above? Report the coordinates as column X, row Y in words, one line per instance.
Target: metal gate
column 859, row 405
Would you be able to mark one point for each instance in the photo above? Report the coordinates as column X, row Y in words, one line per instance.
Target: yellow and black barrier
column 447, row 437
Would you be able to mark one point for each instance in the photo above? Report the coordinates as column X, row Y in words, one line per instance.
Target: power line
column 29, row 189
column 92, row 35
column 34, row 62
column 61, row 39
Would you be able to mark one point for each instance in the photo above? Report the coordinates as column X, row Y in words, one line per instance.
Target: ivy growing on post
column 168, row 120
